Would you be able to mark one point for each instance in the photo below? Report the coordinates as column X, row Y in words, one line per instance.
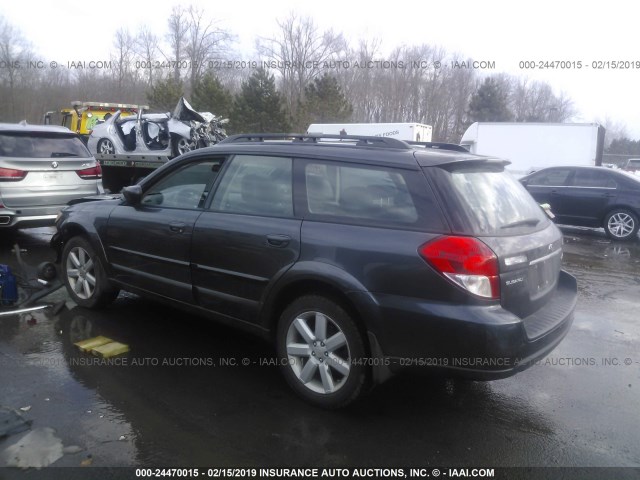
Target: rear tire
column 84, row 275
column 105, row 146
column 621, row 224
column 322, row 352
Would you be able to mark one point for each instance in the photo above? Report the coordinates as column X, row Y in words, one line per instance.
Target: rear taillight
column 90, row 173
column 11, row 175
column 467, row 262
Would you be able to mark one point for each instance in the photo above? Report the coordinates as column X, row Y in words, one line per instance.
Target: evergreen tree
column 164, row 95
column 324, row 103
column 489, row 103
column 259, row 107
column 210, row 96
column 624, row 146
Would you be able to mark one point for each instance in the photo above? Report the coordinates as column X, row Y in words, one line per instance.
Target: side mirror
column 524, row 182
column 132, row 194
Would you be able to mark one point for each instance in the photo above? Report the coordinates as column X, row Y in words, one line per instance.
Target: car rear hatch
column 486, row 203
column 45, row 169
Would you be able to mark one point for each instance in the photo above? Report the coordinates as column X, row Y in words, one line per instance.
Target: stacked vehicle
column 129, row 148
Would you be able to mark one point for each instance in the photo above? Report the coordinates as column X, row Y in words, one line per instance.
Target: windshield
column 41, row 145
column 490, row 201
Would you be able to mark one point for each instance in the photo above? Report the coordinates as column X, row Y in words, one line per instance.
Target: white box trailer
column 415, row 132
column 532, row 146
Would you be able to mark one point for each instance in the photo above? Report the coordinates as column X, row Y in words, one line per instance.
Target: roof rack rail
column 349, row 140
column 439, row 146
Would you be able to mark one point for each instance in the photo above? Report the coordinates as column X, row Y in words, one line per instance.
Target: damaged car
column 154, row 133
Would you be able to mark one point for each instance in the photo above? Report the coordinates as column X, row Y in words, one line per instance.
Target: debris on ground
column 72, row 449
column 36, row 449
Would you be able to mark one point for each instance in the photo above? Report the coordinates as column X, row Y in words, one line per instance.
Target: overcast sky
column 506, row 32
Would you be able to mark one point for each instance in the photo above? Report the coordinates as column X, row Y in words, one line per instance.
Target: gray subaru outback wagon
column 357, row 256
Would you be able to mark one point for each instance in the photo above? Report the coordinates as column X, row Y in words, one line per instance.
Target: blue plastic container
column 8, row 287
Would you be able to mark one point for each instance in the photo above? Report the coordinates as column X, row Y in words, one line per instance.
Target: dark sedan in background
column 589, row 197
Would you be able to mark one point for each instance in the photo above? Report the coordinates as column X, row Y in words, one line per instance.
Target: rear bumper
column 29, row 217
column 477, row 342
column 12, row 220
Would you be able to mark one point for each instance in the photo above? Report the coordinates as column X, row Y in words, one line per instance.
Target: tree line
column 301, row 75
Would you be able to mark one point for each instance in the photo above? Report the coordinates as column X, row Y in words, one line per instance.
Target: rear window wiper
column 63, row 154
column 532, row 222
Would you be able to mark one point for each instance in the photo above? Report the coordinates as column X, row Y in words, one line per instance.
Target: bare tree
column 536, row 102
column 146, row 47
column 359, row 85
column 124, row 44
column 299, row 55
column 15, row 52
column 177, row 37
column 204, row 42
column 613, row 130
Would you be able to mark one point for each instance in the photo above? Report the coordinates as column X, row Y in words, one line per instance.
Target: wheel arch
column 70, row 230
column 619, row 206
column 332, row 283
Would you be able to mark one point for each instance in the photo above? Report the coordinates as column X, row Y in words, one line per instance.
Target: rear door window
column 593, row 179
column 369, row 195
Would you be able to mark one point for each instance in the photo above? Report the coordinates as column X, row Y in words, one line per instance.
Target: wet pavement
column 183, row 396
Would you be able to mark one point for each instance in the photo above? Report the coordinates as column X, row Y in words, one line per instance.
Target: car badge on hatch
column 54, row 164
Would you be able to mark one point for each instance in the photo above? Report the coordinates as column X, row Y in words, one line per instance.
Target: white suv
column 41, row 169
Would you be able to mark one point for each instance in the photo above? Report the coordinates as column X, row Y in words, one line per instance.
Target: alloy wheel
column 318, row 352
column 184, row 146
column 106, row 147
column 81, row 273
column 621, row 225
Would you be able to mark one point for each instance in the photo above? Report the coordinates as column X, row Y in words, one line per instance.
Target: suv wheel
column 321, row 352
column 621, row 225
column 84, row 276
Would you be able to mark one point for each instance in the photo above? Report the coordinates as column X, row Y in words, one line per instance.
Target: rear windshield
column 41, row 145
column 483, row 200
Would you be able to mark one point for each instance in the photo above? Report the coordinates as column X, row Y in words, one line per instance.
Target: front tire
column 181, row 145
column 621, row 225
column 322, row 352
column 84, row 275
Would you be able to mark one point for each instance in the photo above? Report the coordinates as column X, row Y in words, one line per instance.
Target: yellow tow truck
column 83, row 116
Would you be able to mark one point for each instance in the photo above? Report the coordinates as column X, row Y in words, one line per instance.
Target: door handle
column 278, row 241
column 177, row 227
